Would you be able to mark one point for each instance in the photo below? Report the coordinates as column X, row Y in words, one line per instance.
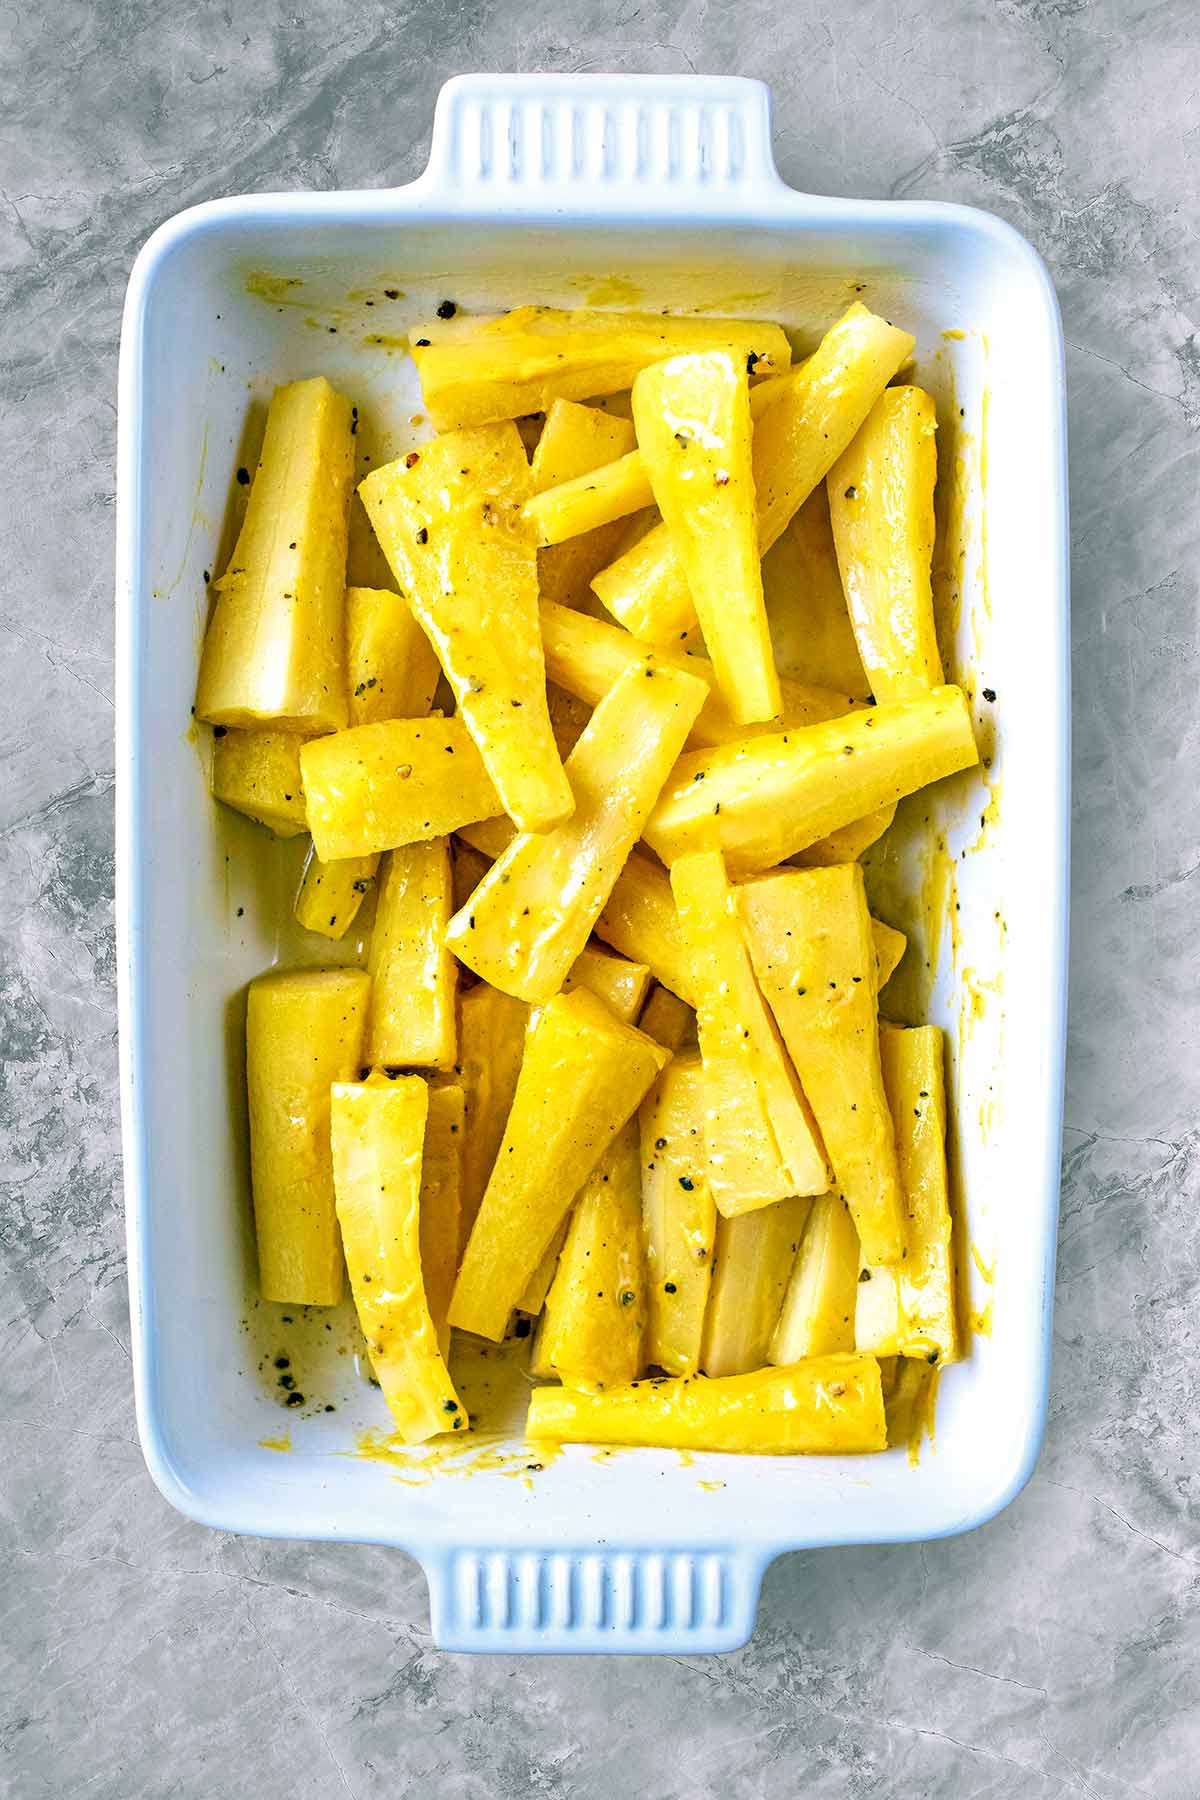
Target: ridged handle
column 640, row 1601
column 600, row 141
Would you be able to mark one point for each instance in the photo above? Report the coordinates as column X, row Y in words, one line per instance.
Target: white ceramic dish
column 564, row 189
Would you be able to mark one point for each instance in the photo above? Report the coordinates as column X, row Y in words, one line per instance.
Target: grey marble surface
column 1057, row 1651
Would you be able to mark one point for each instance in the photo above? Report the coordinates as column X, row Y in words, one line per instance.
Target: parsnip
column 802, row 586
column 534, row 911
column 640, row 919
column 591, row 1330
column 575, row 440
column 600, row 497
column 760, row 1136
column 831, row 1405
column 275, row 653
column 413, row 975
column 679, row 1217
column 304, row 1030
column 621, row 984
column 449, row 517
column 491, row 1043
column 331, row 893
column 881, row 508
column 669, row 1020
column 909, row 1309
column 693, row 423
column 523, row 361
column 817, row 1316
column 378, row 1133
column 751, row 1264
column 392, row 668
column 403, row 781
column 258, row 773
column 441, row 1200
column 767, row 797
column 583, row 1075
column 809, row 935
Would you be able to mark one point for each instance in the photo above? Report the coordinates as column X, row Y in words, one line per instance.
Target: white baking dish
column 561, row 189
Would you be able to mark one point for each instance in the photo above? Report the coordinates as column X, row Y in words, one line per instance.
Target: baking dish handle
column 644, row 1601
column 698, row 144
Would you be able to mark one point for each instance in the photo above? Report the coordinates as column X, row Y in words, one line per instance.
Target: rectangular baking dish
column 612, row 191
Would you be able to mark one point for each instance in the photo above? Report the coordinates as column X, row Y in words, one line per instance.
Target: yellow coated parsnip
column 441, row 1199
column 881, row 508
column 275, row 652
column 533, row 1294
column 909, row 1309
column 829, row 1406
column 378, row 1134
column 679, row 1217
column 413, row 975
column 590, row 1335
column 761, row 1139
column 523, row 361
column 449, row 517
column 621, row 984
column 693, row 423
column 814, row 412
column 402, row 781
column 598, row 498
column 331, row 893
column 392, row 669
column 304, row 1030
column 585, row 655
column 534, row 911
column 669, row 1020
column 768, row 797
column 468, row 867
column 751, row 1264
column 640, row 919
column 575, row 440
column 817, row 1316
column 258, row 773
column 809, row 934
column 848, row 843
column 491, row 1043
column 810, row 626
column 583, row 1075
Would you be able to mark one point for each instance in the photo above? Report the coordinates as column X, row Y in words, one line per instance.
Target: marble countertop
column 1055, row 1652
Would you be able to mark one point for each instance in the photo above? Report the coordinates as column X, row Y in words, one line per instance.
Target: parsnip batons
column 810, row 626
column 809, row 934
column 881, row 507
column 441, row 1200
column 258, row 773
column 449, row 517
column 621, row 984
column 556, row 1133
column 491, row 1043
column 413, row 975
column 679, row 1217
column 275, row 652
column 909, row 1310
column 392, row 669
column 761, row 1141
column 817, row 1316
column 829, row 1406
column 529, row 357
column 640, row 919
column 331, row 893
column 591, row 1331
column 598, row 498
column 667, row 1019
column 693, row 424
column 304, row 1030
column 767, row 797
column 575, row 440
column 532, row 914
column 378, row 1135
column 752, row 1261
column 402, row 781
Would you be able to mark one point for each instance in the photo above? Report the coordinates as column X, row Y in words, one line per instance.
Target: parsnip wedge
column 693, row 423
column 751, row 1264
column 582, row 1077
column 449, row 517
column 402, row 781
column 817, row 1316
column 413, row 975
column 680, row 1219
column 809, row 935
column 521, row 362
column 761, row 1140
column 765, row 798
column 532, row 914
column 378, row 1135
column 828, row 1406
